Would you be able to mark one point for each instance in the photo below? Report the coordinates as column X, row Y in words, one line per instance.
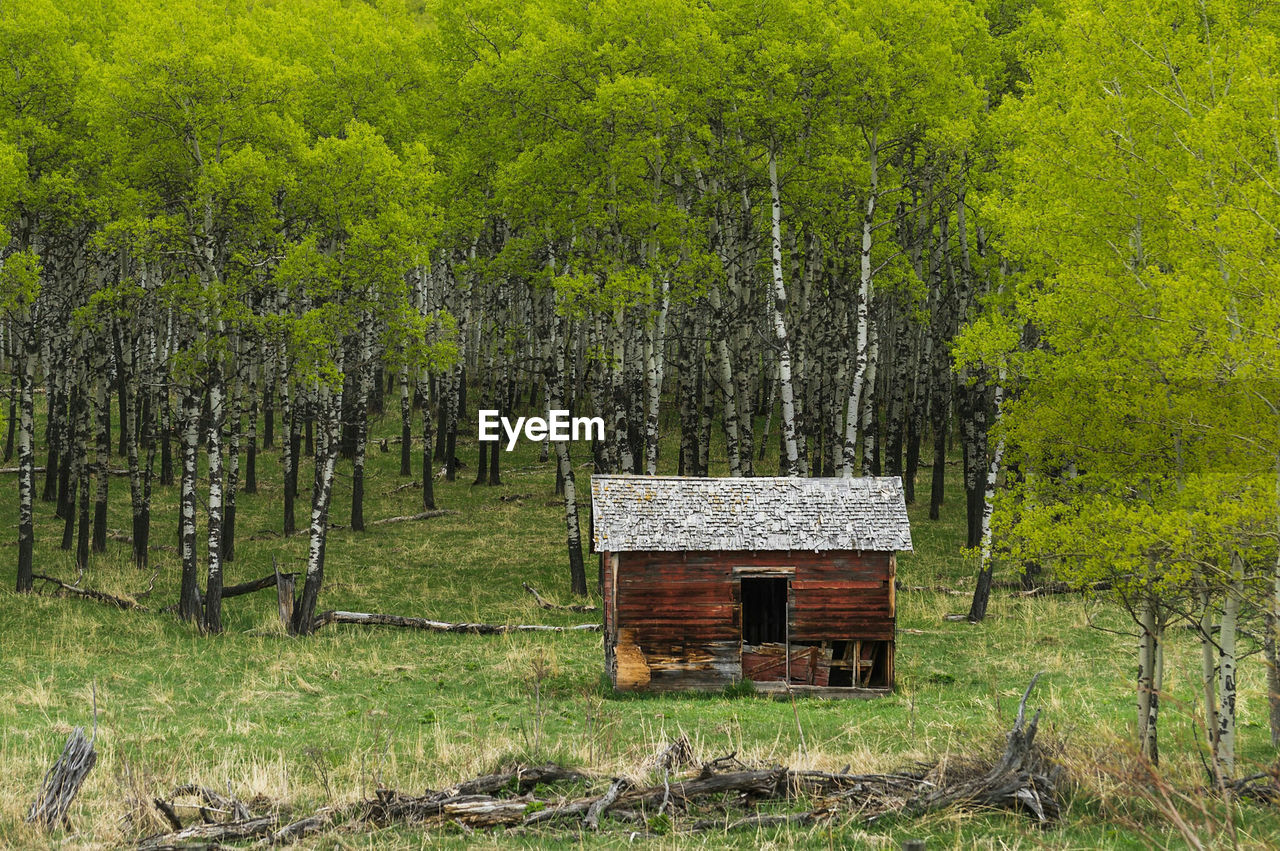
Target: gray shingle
column 758, row 513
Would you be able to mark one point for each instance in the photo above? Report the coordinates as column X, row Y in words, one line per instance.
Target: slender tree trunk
column 213, row 589
column 982, row 593
column 868, row 418
column 269, row 405
column 428, row 424
column 1227, row 669
column 1208, row 665
column 233, row 469
column 53, row 434
column 189, row 606
column 102, row 465
column 555, row 399
column 322, row 492
column 291, row 417
column 166, row 436
column 131, row 399
column 82, row 532
column 26, row 467
column 729, row 410
column 251, row 436
column 863, row 331
column 406, row 424
column 457, row 401
column 1150, row 679
column 12, row 425
column 654, row 369
column 364, row 388
column 791, row 446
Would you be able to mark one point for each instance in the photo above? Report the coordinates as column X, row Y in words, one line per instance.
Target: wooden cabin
column 708, row 582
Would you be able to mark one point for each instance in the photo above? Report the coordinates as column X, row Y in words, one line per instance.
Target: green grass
column 332, row 716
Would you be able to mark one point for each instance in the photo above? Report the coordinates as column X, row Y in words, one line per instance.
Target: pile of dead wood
column 724, row 794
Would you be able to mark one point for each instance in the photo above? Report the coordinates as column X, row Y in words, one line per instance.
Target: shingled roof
column 754, row 514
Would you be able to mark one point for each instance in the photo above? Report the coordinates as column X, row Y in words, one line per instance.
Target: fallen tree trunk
column 89, row 593
column 373, row 619
column 422, row 515
column 255, row 585
column 558, row 607
column 210, row 835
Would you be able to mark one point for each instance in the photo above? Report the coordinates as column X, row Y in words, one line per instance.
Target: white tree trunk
column 26, row 468
column 1227, row 669
column 790, row 443
column 863, row 332
column 654, row 368
column 189, row 602
column 725, row 363
column 213, row 589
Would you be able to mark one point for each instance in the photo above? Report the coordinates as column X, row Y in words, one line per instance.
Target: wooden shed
column 707, row 582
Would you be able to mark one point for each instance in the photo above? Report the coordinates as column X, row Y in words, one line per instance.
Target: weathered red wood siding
column 842, row 594
column 673, row 619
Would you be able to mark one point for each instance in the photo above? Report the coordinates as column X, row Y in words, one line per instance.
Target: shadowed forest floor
column 332, row 717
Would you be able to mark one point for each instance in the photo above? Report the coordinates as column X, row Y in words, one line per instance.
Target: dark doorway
column 764, row 610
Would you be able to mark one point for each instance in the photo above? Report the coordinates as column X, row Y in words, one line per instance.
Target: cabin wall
column 673, row 619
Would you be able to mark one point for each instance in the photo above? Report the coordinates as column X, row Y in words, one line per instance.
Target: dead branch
column 422, row 515
column 934, row 589
column 558, row 607
column 675, row 755
column 1051, row 588
column 373, row 619
column 90, row 594
column 603, row 803
column 1023, row 780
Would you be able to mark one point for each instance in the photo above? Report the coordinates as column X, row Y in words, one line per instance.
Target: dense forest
column 827, row 238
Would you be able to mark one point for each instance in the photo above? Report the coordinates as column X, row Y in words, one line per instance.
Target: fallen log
column 521, row 779
column 255, row 585
column 421, row 515
column 374, row 619
column 210, row 835
column 1051, row 588
column 934, row 589
column 90, row 594
column 544, row 603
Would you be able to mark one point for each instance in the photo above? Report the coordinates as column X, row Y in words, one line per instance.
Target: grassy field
column 333, row 716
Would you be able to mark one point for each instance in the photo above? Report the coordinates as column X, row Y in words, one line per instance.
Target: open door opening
column 764, row 610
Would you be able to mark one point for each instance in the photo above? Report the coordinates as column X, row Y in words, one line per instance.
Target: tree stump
column 63, row 781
